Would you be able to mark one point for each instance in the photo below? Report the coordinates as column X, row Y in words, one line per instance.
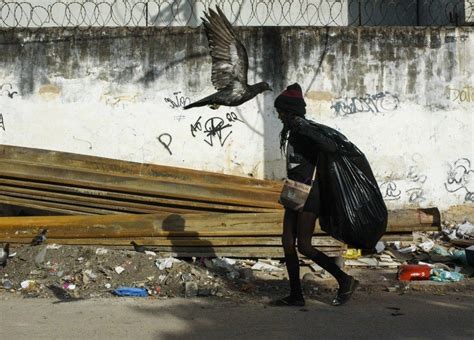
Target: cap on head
column 291, row 100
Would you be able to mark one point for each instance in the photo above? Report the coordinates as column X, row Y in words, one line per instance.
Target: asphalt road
column 380, row 316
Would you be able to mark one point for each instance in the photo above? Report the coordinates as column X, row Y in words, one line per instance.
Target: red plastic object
column 411, row 272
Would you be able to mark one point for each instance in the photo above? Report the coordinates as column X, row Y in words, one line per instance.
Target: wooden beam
column 28, row 202
column 145, row 201
column 131, row 184
column 64, row 159
column 230, row 241
column 165, row 225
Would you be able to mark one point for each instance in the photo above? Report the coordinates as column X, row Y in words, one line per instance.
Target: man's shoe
column 344, row 293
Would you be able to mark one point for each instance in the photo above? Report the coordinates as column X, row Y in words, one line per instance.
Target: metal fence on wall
column 162, row 13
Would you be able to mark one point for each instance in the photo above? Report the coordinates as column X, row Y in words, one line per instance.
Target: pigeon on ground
column 39, row 239
column 4, row 253
column 62, row 294
column 229, row 65
column 140, row 248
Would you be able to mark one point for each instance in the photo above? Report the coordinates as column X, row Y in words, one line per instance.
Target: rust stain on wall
column 319, row 95
column 49, row 91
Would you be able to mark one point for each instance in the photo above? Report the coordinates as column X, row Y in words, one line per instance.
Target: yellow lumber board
column 146, row 200
column 101, row 164
column 42, row 204
column 317, row 241
column 193, row 225
column 138, row 185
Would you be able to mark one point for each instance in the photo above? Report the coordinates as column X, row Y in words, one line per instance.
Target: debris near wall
column 460, row 234
column 429, row 258
column 75, row 272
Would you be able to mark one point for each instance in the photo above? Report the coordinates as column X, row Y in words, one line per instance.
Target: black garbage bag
column 359, row 214
column 353, row 209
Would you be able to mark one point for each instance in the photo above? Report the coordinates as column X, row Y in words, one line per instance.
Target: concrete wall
column 403, row 95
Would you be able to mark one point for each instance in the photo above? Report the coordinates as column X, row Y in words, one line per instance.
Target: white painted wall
column 420, row 142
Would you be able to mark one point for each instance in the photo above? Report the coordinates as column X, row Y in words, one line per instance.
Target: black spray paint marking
column 459, row 178
column 7, row 89
column 215, row 128
column 390, row 192
column 196, row 126
column 178, row 101
column 416, row 195
column 380, row 102
column 232, row 117
column 414, row 175
column 165, row 139
column 2, row 123
column 83, row 140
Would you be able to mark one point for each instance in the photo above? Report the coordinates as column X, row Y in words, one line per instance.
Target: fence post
column 146, row 14
column 360, row 13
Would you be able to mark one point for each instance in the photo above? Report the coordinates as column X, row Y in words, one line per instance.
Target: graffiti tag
column 7, row 89
column 83, row 140
column 216, row 129
column 459, row 178
column 375, row 103
column 178, row 100
column 464, row 94
column 414, row 175
column 390, row 192
column 165, row 139
column 416, row 195
column 232, row 117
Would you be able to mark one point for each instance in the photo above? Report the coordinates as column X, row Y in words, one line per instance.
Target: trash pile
column 444, row 256
column 71, row 272
column 461, row 234
column 79, row 272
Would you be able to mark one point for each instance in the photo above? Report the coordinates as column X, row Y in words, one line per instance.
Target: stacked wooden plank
column 238, row 235
column 175, row 211
column 74, row 184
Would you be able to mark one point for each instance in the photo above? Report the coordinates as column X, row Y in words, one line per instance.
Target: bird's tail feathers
column 202, row 102
column 196, row 104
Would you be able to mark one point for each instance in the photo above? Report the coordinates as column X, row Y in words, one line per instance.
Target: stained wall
column 403, row 95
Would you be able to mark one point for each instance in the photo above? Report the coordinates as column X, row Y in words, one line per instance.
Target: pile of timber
column 186, row 235
column 72, row 184
column 180, row 212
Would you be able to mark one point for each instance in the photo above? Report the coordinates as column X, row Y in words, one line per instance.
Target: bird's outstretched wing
column 229, row 57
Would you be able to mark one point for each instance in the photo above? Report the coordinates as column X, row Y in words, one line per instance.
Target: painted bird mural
column 229, row 65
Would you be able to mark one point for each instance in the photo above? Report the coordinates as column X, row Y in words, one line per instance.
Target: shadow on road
column 382, row 315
